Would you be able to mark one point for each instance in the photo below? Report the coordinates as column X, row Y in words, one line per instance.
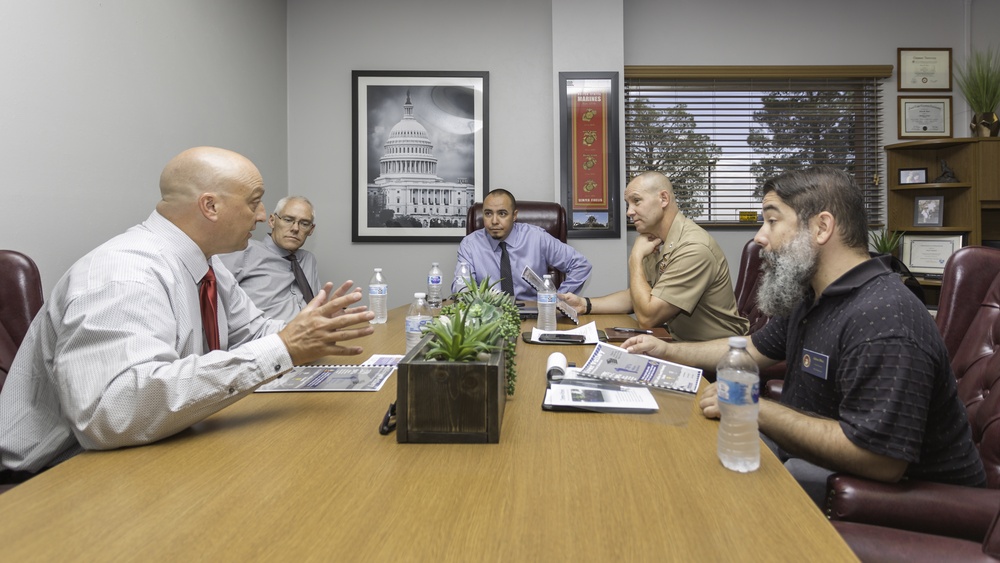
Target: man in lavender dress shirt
column 527, row 245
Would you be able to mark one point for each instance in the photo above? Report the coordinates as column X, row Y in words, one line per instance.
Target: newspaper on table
column 611, row 363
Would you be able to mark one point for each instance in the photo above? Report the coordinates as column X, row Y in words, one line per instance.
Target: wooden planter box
column 449, row 402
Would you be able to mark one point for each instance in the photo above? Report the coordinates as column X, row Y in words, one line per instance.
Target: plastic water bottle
column 547, row 304
column 739, row 390
column 434, row 286
column 464, row 272
column 378, row 297
column 416, row 318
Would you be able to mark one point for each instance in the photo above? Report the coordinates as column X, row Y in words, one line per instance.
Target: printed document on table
column 599, row 398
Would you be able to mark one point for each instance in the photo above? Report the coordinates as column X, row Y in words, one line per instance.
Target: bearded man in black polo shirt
column 869, row 388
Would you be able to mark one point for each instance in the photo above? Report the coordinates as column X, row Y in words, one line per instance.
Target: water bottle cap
column 434, row 263
column 419, row 295
column 378, row 269
column 547, row 276
column 737, row 341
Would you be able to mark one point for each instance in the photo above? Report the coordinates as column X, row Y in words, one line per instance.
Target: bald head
column 203, row 169
column 653, row 181
column 213, row 195
column 648, row 198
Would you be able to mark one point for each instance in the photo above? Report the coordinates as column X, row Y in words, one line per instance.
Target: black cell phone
column 563, row 338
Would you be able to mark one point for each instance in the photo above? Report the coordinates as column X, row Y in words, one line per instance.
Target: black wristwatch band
column 587, row 299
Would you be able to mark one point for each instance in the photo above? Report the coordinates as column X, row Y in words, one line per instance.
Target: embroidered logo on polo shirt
column 815, row 363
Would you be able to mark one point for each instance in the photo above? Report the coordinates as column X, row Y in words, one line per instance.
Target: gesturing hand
column 319, row 328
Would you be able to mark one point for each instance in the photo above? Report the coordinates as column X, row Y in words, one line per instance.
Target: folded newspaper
column 611, row 363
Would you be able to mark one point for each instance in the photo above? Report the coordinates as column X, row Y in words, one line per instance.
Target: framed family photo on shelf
column 925, row 70
column 912, row 176
column 928, row 211
column 925, row 117
column 420, row 150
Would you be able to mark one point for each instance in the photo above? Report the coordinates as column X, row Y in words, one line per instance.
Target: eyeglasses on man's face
column 287, row 221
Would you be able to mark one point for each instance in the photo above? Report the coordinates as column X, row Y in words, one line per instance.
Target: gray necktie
column 506, row 281
column 300, row 277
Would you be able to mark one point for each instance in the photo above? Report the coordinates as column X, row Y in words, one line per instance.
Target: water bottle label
column 549, row 299
column 416, row 324
column 378, row 290
column 736, row 393
column 434, row 280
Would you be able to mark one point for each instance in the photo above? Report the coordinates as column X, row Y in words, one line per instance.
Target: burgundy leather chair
column 20, row 300
column 934, row 508
column 968, row 275
column 877, row 543
column 747, row 280
column 546, row 214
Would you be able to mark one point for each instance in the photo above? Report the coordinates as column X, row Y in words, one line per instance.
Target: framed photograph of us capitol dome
column 420, row 146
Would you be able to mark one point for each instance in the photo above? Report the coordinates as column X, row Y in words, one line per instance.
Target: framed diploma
column 925, row 117
column 927, row 254
column 927, row 70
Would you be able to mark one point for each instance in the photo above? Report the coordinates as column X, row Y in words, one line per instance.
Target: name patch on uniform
column 815, row 363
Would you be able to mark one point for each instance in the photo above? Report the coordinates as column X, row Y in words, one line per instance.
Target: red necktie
column 209, row 310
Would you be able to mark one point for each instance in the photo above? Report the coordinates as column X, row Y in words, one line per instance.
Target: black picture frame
column 928, row 211
column 421, row 153
column 924, row 117
column 589, row 154
column 912, row 176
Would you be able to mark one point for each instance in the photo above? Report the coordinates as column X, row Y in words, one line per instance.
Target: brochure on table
column 369, row 376
column 611, row 363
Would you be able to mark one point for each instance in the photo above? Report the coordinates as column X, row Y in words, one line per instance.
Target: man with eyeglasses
column 278, row 275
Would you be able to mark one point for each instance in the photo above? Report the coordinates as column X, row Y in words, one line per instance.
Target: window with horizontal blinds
column 719, row 132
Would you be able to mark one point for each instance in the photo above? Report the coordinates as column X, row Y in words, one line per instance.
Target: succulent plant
column 477, row 307
column 461, row 339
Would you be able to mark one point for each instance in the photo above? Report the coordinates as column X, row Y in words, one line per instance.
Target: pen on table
column 632, row 330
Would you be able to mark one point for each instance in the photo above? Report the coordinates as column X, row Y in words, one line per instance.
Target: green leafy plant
column 478, row 306
column 885, row 242
column 461, row 339
column 979, row 80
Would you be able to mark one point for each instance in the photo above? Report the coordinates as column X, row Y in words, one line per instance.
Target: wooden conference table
column 306, row 476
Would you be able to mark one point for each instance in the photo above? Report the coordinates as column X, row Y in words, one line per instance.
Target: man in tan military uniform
column 678, row 275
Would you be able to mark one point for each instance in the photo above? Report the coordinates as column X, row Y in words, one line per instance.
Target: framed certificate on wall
column 925, row 117
column 927, row 254
column 927, row 70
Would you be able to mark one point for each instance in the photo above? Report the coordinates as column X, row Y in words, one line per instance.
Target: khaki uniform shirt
column 691, row 273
